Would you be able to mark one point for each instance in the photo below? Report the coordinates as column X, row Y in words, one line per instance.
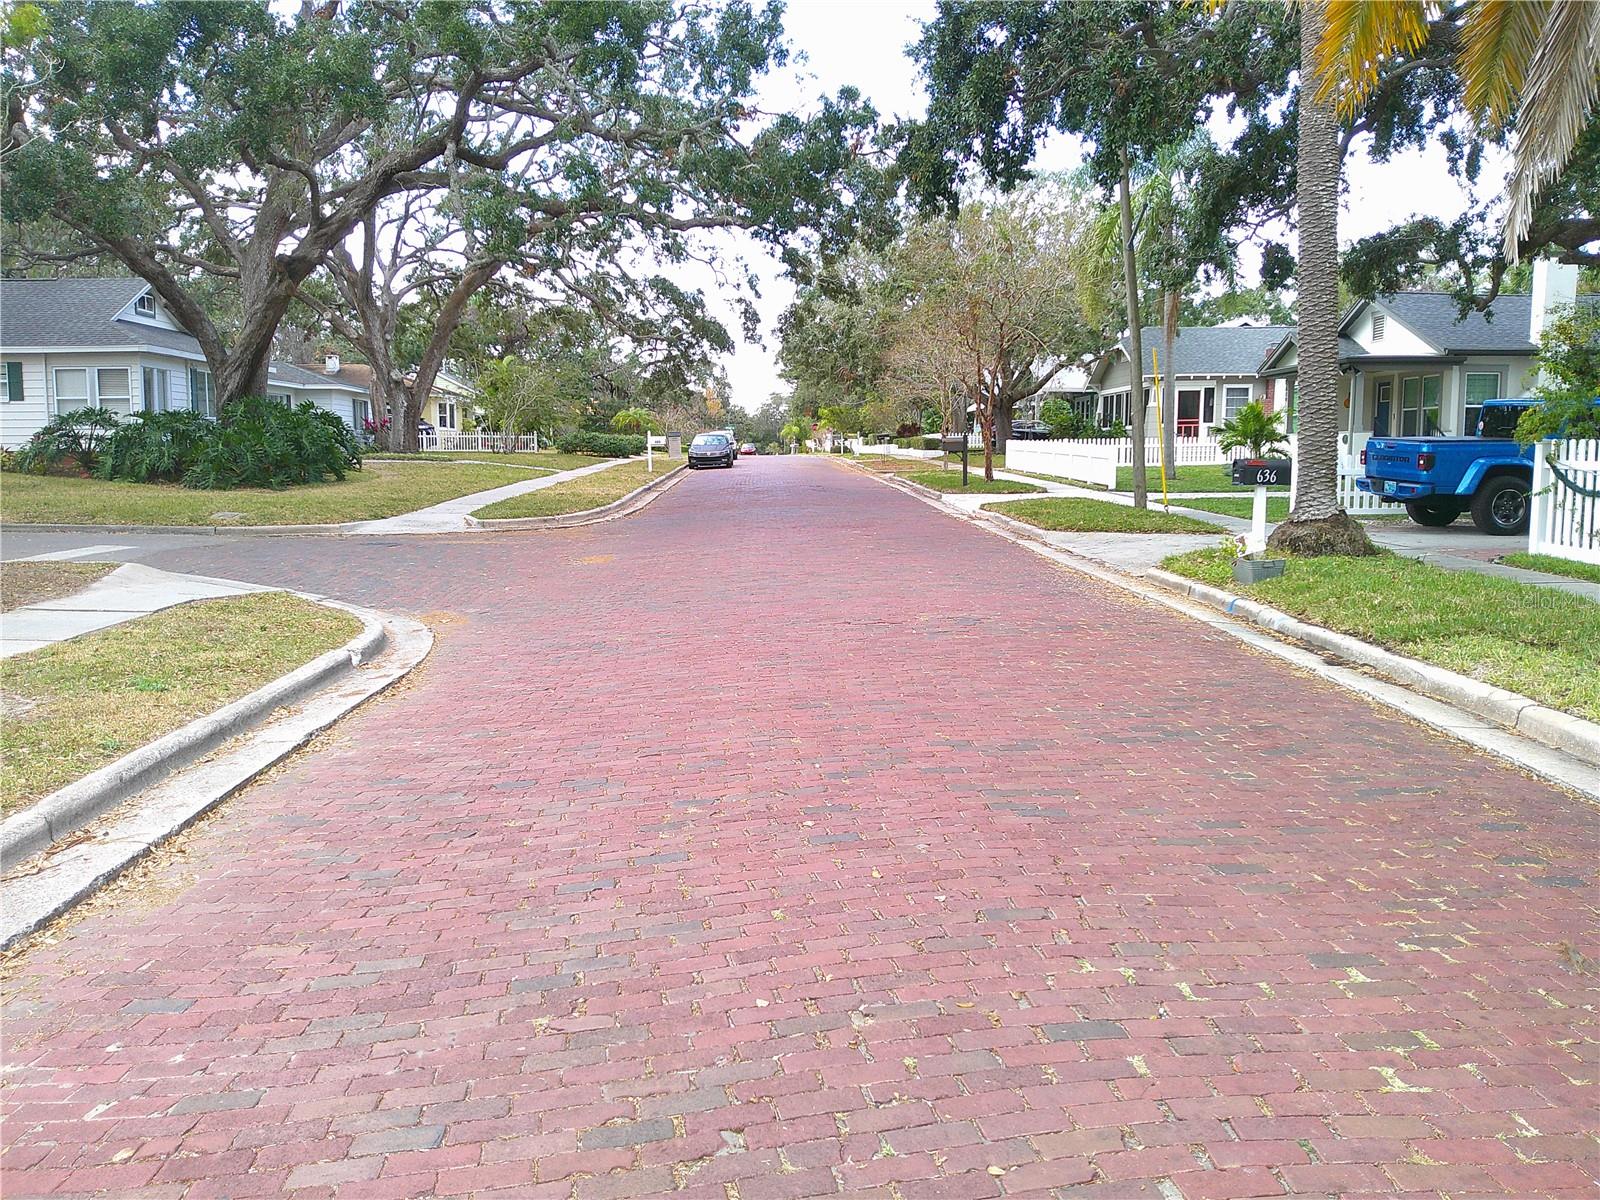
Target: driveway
column 792, row 839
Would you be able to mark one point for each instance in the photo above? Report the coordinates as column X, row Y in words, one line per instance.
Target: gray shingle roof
column 1211, row 349
column 79, row 312
column 305, row 377
column 1436, row 318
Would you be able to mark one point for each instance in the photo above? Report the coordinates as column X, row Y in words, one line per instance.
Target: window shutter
column 13, row 381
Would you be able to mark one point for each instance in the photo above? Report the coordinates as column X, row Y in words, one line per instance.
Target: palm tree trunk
column 1169, row 384
column 1130, row 278
column 1318, row 525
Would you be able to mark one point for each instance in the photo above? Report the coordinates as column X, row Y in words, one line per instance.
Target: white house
column 1412, row 364
column 72, row 343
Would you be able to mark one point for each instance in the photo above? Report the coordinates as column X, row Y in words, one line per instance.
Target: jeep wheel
column 1500, row 505
column 1433, row 513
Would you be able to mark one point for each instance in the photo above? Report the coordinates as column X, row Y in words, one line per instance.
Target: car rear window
column 1499, row 421
column 709, row 440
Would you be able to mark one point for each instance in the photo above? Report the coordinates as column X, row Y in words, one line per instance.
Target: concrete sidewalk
column 451, row 516
column 132, row 590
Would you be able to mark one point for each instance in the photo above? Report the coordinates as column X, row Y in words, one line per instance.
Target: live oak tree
column 391, row 145
column 194, row 142
column 590, row 165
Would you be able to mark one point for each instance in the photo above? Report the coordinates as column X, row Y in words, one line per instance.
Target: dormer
column 147, row 309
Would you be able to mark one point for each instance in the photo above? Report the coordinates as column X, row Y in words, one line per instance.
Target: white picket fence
column 498, row 443
column 1095, row 460
column 1562, row 520
column 857, row 446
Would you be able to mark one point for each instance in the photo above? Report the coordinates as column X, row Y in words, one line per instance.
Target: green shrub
column 260, row 442
column 603, row 445
column 79, row 435
column 923, row 441
column 155, row 446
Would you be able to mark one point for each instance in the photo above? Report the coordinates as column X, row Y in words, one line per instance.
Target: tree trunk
column 1318, row 525
column 1130, row 277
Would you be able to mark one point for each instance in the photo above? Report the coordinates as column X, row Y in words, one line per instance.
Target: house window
column 145, row 305
column 112, row 389
column 1481, row 386
column 361, row 411
column 72, row 388
column 447, row 414
column 1419, row 406
column 157, row 397
column 11, row 382
column 282, row 397
column 202, row 392
column 1234, row 397
column 1380, row 326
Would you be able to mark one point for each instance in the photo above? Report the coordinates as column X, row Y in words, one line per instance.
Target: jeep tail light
column 1425, row 462
column 1363, row 456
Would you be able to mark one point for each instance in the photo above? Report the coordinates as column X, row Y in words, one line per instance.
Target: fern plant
column 155, row 447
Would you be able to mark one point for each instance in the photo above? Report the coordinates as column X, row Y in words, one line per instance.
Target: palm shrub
column 1254, row 429
column 79, row 435
column 635, row 420
column 153, row 447
column 261, row 442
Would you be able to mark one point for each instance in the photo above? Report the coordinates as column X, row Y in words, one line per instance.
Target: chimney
column 331, row 364
column 1555, row 286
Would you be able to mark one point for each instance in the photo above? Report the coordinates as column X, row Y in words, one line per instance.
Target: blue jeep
column 1439, row 478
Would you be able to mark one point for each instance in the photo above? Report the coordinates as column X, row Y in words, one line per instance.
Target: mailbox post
column 1259, row 473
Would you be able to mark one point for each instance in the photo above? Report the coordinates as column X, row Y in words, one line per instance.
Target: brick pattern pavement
column 852, row 888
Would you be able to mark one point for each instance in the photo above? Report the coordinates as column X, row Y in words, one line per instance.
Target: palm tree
column 1535, row 60
column 1318, row 524
column 1254, row 429
column 635, row 420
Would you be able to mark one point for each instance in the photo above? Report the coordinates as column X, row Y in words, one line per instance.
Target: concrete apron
column 451, row 516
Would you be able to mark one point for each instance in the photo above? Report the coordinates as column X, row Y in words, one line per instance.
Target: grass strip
column 1542, row 643
column 35, row 582
column 78, row 705
column 1551, row 565
column 578, row 495
column 1078, row 514
column 379, row 489
column 1207, row 477
column 950, row 482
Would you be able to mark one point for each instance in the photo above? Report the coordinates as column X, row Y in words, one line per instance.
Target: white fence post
column 1562, row 520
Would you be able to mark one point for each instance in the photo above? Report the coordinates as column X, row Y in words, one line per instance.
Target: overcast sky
column 863, row 44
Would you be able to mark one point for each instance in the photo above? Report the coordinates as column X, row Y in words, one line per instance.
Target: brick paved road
column 907, row 865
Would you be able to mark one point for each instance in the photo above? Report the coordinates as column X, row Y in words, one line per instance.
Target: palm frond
column 1498, row 38
column 1357, row 37
column 1558, row 96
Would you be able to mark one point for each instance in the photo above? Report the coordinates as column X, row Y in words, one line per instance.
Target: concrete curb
column 62, row 877
column 630, row 503
column 1512, row 709
column 70, row 808
column 1548, row 756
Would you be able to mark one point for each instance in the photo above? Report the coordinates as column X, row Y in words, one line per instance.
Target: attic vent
column 1380, row 322
column 145, row 305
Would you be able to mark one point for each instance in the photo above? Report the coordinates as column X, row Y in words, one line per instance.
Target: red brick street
column 791, row 838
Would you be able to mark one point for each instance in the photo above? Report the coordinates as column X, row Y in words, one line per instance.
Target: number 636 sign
column 1260, row 472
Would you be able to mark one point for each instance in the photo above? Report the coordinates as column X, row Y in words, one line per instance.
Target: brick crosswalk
column 790, row 839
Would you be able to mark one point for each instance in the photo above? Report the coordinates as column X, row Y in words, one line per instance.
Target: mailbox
column 1261, row 472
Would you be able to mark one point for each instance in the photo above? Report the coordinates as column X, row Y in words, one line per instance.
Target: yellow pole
column 1161, row 428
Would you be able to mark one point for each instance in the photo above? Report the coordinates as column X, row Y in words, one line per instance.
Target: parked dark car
column 712, row 450
column 1030, row 431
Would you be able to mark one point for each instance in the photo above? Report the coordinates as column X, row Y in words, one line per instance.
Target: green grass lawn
column 1551, row 565
column 544, row 460
column 75, row 706
column 974, row 458
column 379, row 489
column 35, row 582
column 1212, row 477
column 1238, row 506
column 950, row 481
column 1079, row 514
column 1542, row 643
column 576, row 495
